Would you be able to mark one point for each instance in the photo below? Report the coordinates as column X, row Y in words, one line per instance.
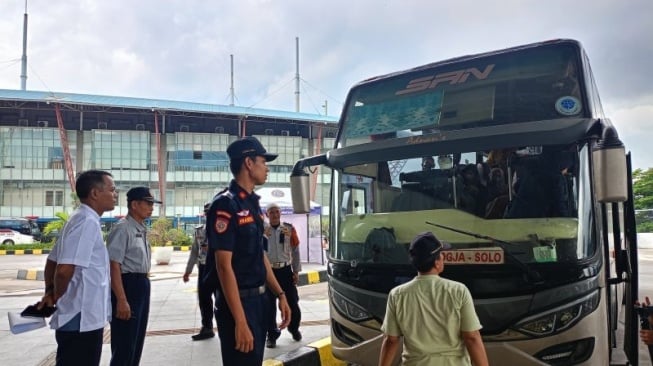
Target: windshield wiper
column 533, row 276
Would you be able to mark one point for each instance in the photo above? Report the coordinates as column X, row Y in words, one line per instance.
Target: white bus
column 532, row 188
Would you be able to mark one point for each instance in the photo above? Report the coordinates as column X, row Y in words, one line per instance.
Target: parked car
column 21, row 225
column 11, row 237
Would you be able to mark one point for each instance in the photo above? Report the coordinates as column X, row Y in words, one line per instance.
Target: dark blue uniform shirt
column 235, row 224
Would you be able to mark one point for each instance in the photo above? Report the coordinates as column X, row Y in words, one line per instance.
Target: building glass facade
column 120, row 137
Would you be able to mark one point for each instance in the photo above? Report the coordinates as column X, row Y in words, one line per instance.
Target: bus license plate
column 474, row 256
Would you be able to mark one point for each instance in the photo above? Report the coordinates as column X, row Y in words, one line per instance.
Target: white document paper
column 20, row 324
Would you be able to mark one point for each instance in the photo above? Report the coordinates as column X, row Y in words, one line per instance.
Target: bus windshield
column 532, row 84
column 533, row 201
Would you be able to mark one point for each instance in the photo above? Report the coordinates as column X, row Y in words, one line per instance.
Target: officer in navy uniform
column 205, row 289
column 283, row 254
column 235, row 233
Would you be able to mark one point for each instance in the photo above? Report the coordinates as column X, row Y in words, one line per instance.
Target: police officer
column 283, row 254
column 235, row 234
column 130, row 257
column 205, row 289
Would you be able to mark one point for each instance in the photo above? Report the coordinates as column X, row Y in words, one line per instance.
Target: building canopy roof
column 153, row 104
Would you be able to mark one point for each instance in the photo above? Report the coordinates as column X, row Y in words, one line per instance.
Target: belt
column 277, row 265
column 254, row 291
column 132, row 274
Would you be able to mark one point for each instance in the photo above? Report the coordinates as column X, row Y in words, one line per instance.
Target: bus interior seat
column 496, row 208
column 385, row 196
column 381, row 247
column 471, row 193
column 424, row 190
column 541, row 190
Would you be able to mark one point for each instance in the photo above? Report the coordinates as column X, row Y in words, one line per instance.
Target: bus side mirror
column 299, row 188
column 300, row 184
column 610, row 175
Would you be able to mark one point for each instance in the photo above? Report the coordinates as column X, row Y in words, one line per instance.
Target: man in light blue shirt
column 77, row 274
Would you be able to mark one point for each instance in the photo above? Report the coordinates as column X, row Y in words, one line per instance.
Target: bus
column 22, row 225
column 507, row 156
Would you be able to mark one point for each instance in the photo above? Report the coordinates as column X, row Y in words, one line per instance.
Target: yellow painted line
column 313, row 277
column 19, row 252
column 37, row 251
column 31, row 274
column 272, row 363
column 323, row 347
column 184, row 248
column 3, row 252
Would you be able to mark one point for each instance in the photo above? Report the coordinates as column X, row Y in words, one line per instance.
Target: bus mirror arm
column 300, row 184
column 300, row 166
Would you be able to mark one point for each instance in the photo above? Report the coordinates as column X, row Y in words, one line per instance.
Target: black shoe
column 272, row 339
column 296, row 335
column 205, row 333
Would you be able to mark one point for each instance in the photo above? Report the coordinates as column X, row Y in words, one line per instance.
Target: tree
column 157, row 234
column 643, row 199
column 74, row 199
column 53, row 228
column 162, row 234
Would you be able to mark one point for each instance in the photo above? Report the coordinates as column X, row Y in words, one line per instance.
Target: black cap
column 141, row 194
column 248, row 146
column 426, row 245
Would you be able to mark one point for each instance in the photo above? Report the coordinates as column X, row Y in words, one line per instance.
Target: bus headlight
column 348, row 308
column 559, row 319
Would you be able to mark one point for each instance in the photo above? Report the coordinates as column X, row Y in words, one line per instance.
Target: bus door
column 624, row 281
column 630, row 269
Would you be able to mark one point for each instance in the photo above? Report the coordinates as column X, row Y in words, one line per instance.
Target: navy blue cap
column 248, row 146
column 425, row 245
column 141, row 194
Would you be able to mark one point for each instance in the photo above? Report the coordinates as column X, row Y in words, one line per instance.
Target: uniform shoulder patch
column 223, row 213
column 221, row 225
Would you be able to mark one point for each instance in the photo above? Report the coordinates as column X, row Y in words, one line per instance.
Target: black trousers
column 79, row 348
column 205, row 292
column 284, row 277
column 255, row 312
column 128, row 336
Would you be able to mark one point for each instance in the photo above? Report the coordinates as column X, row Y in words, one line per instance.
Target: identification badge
column 545, row 254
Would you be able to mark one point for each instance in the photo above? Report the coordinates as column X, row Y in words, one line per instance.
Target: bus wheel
column 8, row 242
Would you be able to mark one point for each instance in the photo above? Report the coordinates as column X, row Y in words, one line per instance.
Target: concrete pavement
column 174, row 317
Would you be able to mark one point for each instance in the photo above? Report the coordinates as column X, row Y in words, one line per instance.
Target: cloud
column 179, row 50
column 633, row 122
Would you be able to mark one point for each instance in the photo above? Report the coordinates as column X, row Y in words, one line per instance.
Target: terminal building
column 175, row 148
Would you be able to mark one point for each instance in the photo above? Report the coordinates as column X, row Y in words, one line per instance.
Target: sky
column 180, row 49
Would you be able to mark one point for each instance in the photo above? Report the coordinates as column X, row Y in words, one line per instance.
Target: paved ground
column 174, row 317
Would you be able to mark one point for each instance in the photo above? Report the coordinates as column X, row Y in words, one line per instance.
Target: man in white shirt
column 77, row 274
